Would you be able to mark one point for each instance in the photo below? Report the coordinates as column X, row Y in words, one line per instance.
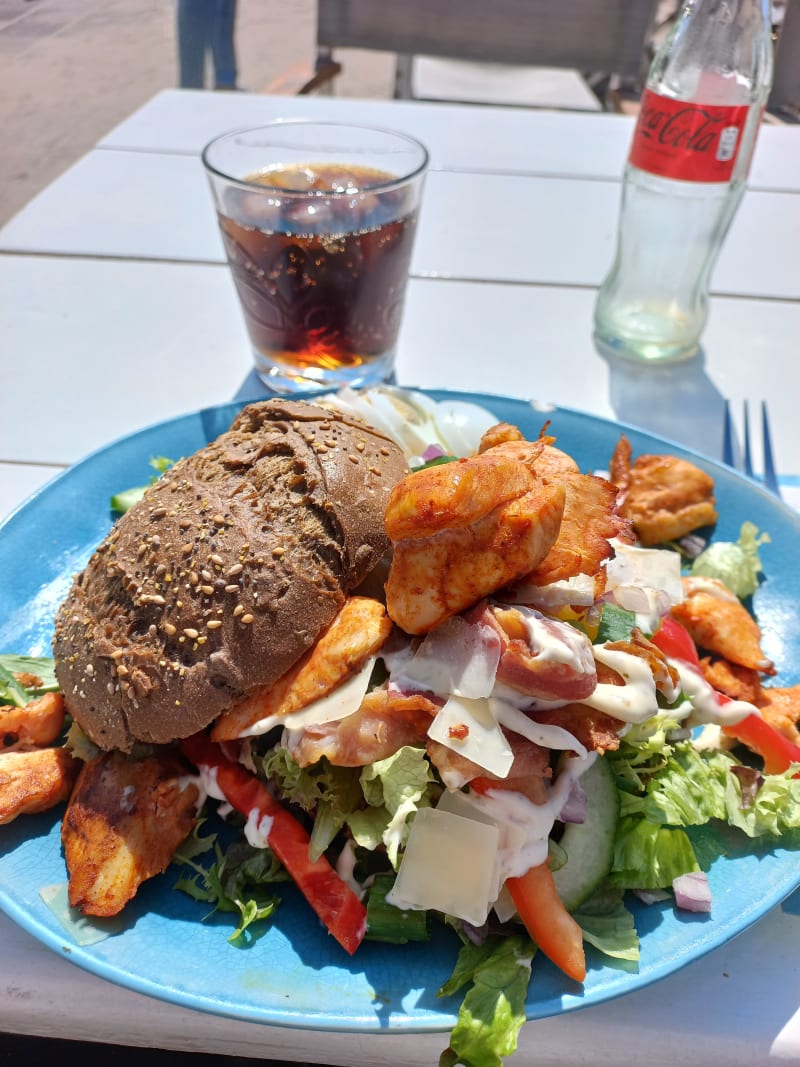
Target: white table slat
column 459, row 138
column 502, row 227
column 190, row 349
column 119, row 345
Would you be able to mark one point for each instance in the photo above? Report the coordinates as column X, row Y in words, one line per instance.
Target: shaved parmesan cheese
column 646, row 581
column 338, row 704
column 448, row 866
column 463, row 804
column 457, row 657
column 544, row 734
column 469, row 728
column 504, row 907
column 577, row 591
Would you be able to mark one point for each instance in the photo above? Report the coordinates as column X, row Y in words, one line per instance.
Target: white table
column 118, row 311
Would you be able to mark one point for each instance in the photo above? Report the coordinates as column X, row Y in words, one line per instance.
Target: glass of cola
column 318, row 222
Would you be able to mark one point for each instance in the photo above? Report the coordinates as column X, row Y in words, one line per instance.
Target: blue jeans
column 205, row 27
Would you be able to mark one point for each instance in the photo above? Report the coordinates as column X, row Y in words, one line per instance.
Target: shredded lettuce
column 608, row 925
column 736, row 563
column 493, row 1010
column 398, row 786
column 648, row 856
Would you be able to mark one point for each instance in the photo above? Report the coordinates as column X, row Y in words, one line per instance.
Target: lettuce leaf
column 691, row 788
column 613, row 935
column 493, row 1010
column 773, row 811
column 398, row 786
column 736, row 563
column 329, row 793
column 648, row 856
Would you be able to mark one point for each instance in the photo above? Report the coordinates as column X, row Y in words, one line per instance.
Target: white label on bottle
column 727, row 143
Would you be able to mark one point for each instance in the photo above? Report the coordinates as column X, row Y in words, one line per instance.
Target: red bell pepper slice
column 332, row 899
column 761, row 737
column 548, row 922
column 675, row 641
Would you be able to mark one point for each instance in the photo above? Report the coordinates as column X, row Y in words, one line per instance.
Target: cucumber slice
column 589, row 845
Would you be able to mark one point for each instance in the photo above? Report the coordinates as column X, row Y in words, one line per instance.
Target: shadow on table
column 677, row 401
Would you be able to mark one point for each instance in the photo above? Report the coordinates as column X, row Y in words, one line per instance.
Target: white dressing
column 703, row 705
column 544, row 734
column 633, row 702
column 338, row 704
column 257, row 828
column 552, row 641
column 525, row 827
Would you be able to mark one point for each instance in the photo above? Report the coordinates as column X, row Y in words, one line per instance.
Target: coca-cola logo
column 692, row 128
column 687, row 141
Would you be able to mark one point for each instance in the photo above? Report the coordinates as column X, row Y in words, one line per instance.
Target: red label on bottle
column 688, row 141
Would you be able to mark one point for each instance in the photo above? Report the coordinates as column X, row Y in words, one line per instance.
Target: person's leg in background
column 195, row 24
column 223, row 48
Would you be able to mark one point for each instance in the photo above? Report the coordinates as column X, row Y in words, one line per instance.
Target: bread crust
column 225, row 573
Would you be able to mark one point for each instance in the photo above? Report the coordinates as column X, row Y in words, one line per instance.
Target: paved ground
column 72, row 69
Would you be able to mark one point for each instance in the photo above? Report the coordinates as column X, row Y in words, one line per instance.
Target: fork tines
column 729, row 446
column 770, row 474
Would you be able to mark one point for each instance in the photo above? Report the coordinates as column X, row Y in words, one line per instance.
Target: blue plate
column 295, row 974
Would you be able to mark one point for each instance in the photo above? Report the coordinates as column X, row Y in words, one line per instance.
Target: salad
column 554, row 744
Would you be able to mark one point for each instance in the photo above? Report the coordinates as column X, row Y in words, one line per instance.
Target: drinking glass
column 318, row 221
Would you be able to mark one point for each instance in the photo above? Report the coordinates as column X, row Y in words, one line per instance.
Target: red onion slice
column 692, row 892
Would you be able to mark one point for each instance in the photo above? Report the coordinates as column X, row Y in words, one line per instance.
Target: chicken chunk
column 35, row 780
column 359, row 630
column 663, row 496
column 36, row 724
column 718, row 622
column 738, row 683
column 462, row 530
column 591, row 517
column 123, row 823
column 781, row 708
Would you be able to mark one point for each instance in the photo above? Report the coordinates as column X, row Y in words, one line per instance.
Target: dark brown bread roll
column 225, row 573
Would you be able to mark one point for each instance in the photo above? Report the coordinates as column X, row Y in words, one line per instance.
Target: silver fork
column 729, row 446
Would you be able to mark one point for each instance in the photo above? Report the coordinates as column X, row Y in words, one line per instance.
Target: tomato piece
column 547, row 920
column 761, row 737
column 332, row 899
column 675, row 641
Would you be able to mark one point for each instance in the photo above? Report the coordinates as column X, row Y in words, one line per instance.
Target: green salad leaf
column 608, row 925
column 12, row 691
column 236, row 882
column 399, row 786
column 492, row 1012
column 126, row 498
column 736, row 563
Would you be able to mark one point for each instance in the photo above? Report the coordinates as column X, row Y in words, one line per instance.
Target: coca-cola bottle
column 686, row 173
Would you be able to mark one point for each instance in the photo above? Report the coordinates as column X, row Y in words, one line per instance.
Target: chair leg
column 403, row 89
